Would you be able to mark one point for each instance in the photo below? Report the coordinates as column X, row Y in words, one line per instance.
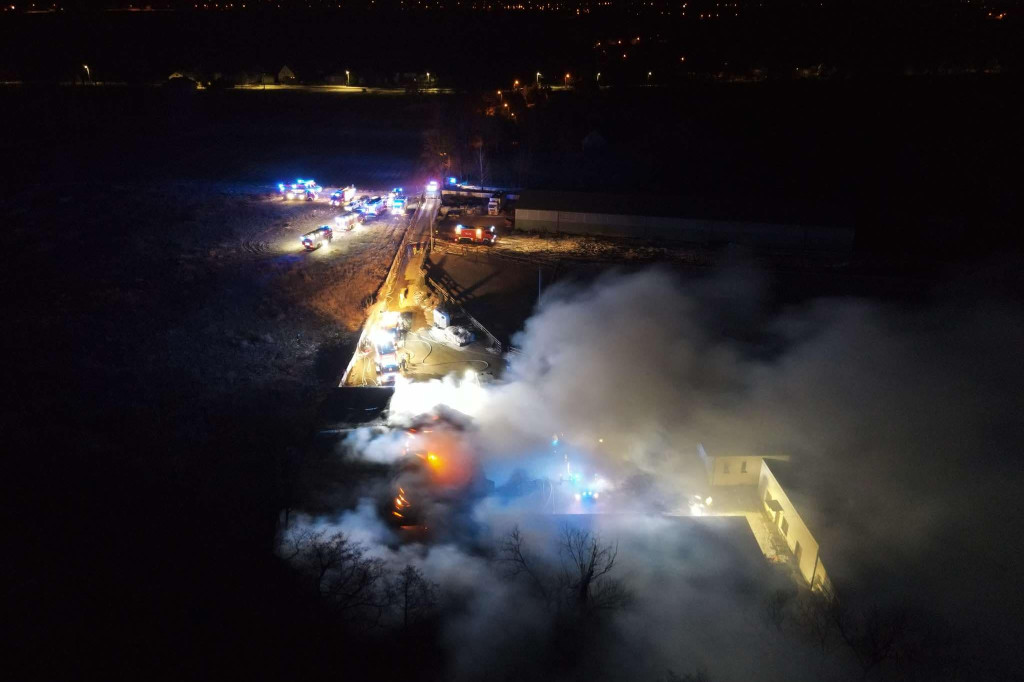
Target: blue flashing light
column 452, row 181
column 280, row 186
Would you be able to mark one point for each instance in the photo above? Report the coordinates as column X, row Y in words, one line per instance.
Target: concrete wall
column 686, row 229
column 810, row 565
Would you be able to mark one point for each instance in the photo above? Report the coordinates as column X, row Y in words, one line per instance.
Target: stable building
column 698, row 221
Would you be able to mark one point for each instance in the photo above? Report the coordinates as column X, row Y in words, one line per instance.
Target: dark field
column 172, row 344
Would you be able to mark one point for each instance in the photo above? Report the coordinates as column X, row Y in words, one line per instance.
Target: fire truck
column 312, row 241
column 300, row 189
column 373, row 206
column 475, row 235
column 386, row 358
column 397, row 201
column 342, row 196
column 394, row 324
column 347, row 221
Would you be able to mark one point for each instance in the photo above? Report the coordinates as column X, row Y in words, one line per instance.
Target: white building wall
column 796, row 531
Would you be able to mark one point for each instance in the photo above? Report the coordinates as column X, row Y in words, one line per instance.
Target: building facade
column 731, row 473
column 776, row 504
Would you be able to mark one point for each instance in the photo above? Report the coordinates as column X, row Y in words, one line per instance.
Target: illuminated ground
column 426, row 355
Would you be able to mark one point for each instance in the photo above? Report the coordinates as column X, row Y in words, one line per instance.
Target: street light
column 538, row 78
column 566, row 80
column 86, row 67
column 648, row 77
column 598, row 76
column 348, row 78
column 428, row 78
column 515, row 84
column 499, row 95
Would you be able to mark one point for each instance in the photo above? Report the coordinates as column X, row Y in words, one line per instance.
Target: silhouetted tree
column 586, row 563
column 581, row 582
column 414, row 596
column 341, row 573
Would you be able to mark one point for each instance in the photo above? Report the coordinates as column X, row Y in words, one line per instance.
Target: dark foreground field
column 172, row 342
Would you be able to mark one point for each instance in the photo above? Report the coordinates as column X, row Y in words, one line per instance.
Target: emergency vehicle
column 394, row 325
column 475, row 235
column 386, row 359
column 373, row 207
column 432, row 189
column 397, row 201
column 494, row 205
column 342, row 196
column 347, row 221
column 300, row 189
column 315, row 239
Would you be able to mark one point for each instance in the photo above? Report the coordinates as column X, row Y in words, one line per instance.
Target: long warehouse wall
column 686, row 230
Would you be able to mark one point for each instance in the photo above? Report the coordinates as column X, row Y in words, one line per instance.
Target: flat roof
column 783, row 210
column 353, row 405
column 797, row 479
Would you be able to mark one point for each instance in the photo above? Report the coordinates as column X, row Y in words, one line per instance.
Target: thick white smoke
column 904, row 423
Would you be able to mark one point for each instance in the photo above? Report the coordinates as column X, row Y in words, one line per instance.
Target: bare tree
column 776, row 607
column 341, row 573
column 477, row 143
column 585, row 564
column 815, row 618
column 521, row 562
column 581, row 581
column 437, row 151
column 413, row 595
column 873, row 638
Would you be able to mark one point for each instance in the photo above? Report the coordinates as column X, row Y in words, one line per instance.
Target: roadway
column 427, row 355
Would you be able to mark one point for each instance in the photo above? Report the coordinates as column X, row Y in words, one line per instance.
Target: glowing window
column 785, row 527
